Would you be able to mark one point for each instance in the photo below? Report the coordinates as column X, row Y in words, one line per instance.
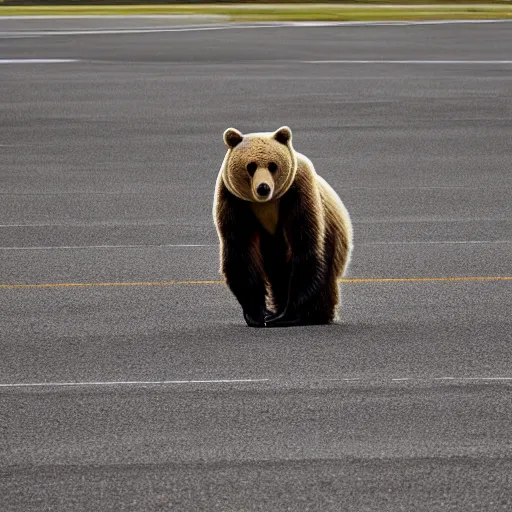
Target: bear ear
column 283, row 135
column 232, row 137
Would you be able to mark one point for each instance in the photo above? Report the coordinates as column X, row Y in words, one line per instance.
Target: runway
column 128, row 379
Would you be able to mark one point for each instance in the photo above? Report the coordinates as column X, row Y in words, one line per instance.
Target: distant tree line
column 172, row 2
column 176, row 2
column 113, row 2
column 152, row 2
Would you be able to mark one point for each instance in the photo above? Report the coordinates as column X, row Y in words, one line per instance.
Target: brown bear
column 285, row 235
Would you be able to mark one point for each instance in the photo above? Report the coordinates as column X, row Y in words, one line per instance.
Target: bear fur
column 285, row 236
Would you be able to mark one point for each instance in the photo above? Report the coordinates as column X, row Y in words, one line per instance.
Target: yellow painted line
column 171, row 283
column 135, row 283
column 424, row 279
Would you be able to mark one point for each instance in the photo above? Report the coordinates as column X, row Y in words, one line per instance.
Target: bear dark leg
column 311, row 291
column 241, row 261
column 306, row 294
column 277, row 268
column 243, row 272
column 301, row 215
column 319, row 309
column 279, row 281
column 322, row 306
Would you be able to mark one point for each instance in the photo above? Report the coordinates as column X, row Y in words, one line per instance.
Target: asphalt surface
column 107, row 173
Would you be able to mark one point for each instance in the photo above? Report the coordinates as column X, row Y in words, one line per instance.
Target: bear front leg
column 303, row 226
column 304, row 293
column 244, row 279
column 241, row 263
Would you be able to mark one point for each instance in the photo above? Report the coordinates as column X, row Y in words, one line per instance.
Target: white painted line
column 344, row 380
column 441, row 242
column 127, row 383
column 486, row 378
column 141, row 30
column 418, row 379
column 235, row 381
column 108, row 224
column 102, row 16
column 36, row 61
column 77, row 247
column 452, row 22
column 165, row 246
column 234, row 26
column 451, row 379
column 420, row 62
column 14, row 36
column 390, row 23
column 468, row 379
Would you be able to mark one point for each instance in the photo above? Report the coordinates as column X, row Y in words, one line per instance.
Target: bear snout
column 263, row 190
column 262, row 185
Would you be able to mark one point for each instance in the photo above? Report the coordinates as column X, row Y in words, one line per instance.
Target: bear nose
column 263, row 190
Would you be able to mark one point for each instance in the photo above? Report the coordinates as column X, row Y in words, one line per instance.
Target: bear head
column 259, row 167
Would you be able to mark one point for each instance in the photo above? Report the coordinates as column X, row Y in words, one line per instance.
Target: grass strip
column 283, row 12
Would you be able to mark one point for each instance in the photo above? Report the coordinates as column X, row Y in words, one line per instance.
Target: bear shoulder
column 306, row 178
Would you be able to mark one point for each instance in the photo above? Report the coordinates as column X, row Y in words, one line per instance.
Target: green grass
column 284, row 12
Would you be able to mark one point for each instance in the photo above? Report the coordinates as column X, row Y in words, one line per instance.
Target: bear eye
column 272, row 167
column 251, row 167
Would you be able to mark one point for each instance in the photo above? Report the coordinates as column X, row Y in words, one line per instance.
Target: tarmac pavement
column 128, row 379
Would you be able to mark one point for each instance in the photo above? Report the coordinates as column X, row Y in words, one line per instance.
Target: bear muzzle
column 263, row 190
column 262, row 185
